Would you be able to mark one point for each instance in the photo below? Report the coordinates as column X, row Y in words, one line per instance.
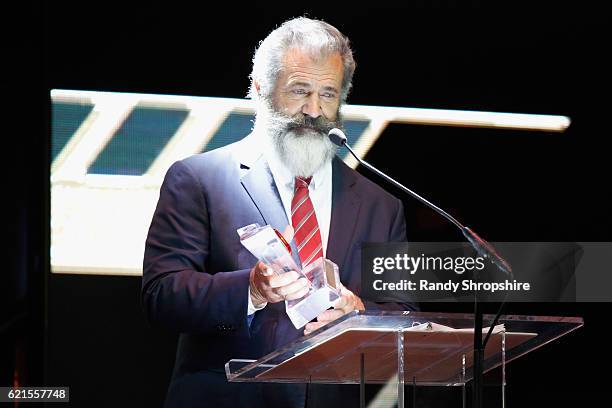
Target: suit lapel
column 259, row 184
column 345, row 212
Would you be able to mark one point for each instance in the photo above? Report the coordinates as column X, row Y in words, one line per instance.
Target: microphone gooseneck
column 482, row 247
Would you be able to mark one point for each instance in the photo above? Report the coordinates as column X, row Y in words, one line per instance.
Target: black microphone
column 481, row 246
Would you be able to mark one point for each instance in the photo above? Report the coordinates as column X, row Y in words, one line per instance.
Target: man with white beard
column 197, row 278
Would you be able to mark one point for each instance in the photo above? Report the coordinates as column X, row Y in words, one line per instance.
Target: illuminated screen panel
column 235, row 126
column 66, row 118
column 138, row 141
column 110, row 152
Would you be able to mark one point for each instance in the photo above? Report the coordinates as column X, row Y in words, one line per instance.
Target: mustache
column 319, row 124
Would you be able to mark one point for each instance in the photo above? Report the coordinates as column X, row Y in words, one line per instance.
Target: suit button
column 225, row 328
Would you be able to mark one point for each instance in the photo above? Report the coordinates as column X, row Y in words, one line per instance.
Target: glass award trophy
column 270, row 247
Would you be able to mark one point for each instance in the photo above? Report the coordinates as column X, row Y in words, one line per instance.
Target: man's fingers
column 312, row 326
column 297, row 295
column 278, row 281
column 330, row 315
column 342, row 302
column 300, row 292
column 274, row 298
column 292, row 288
column 267, row 271
column 345, row 304
column 264, row 269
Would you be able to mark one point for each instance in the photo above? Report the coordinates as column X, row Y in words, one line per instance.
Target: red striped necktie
column 304, row 221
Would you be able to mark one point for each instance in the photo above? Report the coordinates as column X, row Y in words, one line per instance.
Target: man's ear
column 257, row 87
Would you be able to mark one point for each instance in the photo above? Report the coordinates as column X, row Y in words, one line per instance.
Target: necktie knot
column 302, row 182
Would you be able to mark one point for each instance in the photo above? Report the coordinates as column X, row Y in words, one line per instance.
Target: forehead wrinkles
column 318, row 75
column 298, row 63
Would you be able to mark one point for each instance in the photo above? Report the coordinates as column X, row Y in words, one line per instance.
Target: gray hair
column 317, row 37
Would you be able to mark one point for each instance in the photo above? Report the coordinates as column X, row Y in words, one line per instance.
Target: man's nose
column 312, row 107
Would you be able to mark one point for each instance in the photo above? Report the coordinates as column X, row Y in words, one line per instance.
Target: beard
column 299, row 141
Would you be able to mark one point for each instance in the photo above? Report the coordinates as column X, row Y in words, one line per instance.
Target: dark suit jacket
column 196, row 272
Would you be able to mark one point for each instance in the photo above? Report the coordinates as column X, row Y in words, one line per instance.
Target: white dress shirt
column 319, row 190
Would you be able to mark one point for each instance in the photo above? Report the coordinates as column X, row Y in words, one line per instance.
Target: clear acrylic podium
column 398, row 348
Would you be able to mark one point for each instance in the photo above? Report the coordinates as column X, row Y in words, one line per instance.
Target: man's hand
column 347, row 302
column 267, row 287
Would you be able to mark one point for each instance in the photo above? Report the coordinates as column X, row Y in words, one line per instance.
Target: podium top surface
column 436, row 348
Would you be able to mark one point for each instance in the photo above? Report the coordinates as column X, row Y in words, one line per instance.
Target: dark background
column 88, row 332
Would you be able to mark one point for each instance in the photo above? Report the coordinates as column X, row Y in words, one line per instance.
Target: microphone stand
column 482, row 247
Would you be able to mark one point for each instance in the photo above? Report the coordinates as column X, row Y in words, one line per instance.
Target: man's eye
column 329, row 95
column 299, row 91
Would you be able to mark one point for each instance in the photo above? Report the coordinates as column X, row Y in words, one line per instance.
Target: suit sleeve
column 397, row 233
column 177, row 291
